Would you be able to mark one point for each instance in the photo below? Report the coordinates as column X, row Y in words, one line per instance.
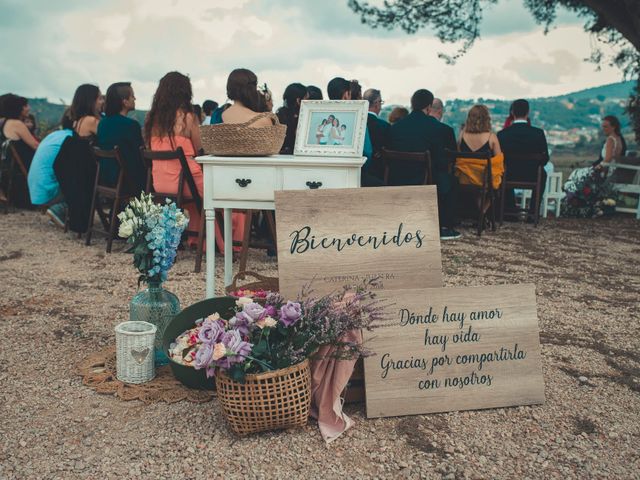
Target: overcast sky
column 49, row 47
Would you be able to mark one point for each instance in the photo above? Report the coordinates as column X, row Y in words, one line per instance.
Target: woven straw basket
column 243, row 140
column 267, row 401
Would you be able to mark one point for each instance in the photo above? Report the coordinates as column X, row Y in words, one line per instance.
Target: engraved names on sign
column 344, row 236
column 454, row 349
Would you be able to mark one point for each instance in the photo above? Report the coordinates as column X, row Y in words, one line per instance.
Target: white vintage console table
column 249, row 183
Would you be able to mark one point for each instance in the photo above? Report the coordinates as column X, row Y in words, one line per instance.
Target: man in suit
column 448, row 135
column 521, row 138
column 378, row 130
column 419, row 132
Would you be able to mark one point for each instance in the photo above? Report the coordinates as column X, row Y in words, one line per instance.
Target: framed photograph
column 333, row 128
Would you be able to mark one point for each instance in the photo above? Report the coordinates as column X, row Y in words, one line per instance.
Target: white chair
column 627, row 180
column 553, row 193
column 552, row 197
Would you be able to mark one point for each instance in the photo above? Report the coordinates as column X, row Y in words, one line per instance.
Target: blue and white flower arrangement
column 154, row 232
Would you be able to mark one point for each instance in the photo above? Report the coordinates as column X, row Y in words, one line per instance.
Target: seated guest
column 378, row 130
column 117, row 129
column 13, row 129
column 170, row 124
column 43, row 183
column 398, row 113
column 85, row 112
column 449, row 136
column 314, row 93
column 208, row 106
column 476, row 135
column 340, row 89
column 289, row 112
column 522, row 138
column 419, row 132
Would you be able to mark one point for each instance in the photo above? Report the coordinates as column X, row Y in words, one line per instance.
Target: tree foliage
column 614, row 24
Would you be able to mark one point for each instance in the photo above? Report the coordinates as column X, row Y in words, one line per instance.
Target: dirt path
column 61, row 300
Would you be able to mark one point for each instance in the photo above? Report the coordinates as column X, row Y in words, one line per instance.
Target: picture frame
column 331, row 128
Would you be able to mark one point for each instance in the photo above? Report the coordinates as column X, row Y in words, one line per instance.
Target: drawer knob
column 314, row 185
column 243, row 182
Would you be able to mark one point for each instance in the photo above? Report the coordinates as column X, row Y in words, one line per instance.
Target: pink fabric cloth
column 329, row 378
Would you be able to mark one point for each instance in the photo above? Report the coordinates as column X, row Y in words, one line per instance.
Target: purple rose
column 254, row 310
column 211, row 331
column 270, row 311
column 242, row 322
column 290, row 313
column 232, row 340
column 204, row 356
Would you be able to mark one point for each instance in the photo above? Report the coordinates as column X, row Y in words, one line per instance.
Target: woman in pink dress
column 170, row 124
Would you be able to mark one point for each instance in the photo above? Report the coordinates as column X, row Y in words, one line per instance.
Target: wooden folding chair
column 122, row 192
column 179, row 197
column 394, row 158
column 13, row 166
column 536, row 186
column 486, row 192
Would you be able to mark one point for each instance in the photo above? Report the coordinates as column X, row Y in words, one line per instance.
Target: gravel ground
column 69, row 297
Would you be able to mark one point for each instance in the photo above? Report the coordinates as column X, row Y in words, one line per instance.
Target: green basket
column 185, row 320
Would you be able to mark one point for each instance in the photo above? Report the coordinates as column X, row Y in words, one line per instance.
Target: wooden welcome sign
column 447, row 349
column 345, row 236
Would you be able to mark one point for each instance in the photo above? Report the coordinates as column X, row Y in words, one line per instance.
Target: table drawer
column 300, row 178
column 243, row 183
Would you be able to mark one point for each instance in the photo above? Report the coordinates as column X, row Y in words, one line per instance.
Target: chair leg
column 493, row 211
column 112, row 225
column 244, row 252
column 271, row 222
column 481, row 215
column 536, row 207
column 92, row 214
column 200, row 249
column 502, row 195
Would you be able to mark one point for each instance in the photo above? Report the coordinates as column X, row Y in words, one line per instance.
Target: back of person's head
column 172, row 95
column 197, row 110
column 372, row 96
column 421, row 99
column 478, row 120
column 117, row 93
column 437, row 105
column 520, row 108
column 293, row 95
column 397, row 113
column 355, row 90
column 84, row 102
column 242, row 86
column 337, row 87
column 13, row 106
column 208, row 106
column 314, row 93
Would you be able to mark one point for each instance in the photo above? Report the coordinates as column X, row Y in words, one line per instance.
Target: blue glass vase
column 157, row 306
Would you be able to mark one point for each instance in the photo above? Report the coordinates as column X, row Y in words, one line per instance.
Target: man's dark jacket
column 521, row 138
column 419, row 132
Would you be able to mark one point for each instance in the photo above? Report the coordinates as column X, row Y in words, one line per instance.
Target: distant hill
column 620, row 90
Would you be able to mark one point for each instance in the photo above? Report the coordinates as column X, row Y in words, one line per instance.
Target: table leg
column 228, row 248
column 211, row 252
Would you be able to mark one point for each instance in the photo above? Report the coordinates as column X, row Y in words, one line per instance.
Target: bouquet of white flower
column 154, row 232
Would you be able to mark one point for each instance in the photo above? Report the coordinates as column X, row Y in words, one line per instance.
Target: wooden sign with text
column 450, row 349
column 345, row 236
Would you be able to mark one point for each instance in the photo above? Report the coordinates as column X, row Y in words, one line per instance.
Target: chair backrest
column 150, row 156
column 554, row 183
column 15, row 156
column 123, row 175
column 394, row 157
column 454, row 155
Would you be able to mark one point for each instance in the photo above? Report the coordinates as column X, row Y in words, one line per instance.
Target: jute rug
column 98, row 371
